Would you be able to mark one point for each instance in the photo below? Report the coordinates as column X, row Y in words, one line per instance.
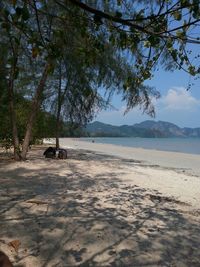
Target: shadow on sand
column 85, row 220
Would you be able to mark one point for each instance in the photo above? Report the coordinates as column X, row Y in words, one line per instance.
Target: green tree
column 156, row 30
column 18, row 28
column 115, row 44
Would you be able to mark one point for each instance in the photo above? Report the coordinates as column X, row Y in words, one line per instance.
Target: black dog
column 62, row 153
column 50, row 152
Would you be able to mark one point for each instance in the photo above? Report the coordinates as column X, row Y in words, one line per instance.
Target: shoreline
column 147, row 146
column 189, row 163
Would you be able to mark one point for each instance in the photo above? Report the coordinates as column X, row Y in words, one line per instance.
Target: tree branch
column 130, row 23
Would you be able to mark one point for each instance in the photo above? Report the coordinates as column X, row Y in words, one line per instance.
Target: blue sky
column 176, row 105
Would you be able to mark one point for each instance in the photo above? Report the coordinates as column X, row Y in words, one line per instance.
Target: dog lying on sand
column 4, row 260
column 52, row 152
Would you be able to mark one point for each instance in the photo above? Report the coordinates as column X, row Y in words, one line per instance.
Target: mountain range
column 147, row 128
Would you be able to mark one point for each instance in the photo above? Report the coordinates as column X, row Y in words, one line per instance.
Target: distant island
column 146, row 129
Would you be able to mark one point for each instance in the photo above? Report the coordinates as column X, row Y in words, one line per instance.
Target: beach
column 188, row 162
column 105, row 205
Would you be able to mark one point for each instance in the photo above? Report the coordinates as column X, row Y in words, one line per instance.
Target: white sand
column 181, row 178
column 98, row 210
column 188, row 162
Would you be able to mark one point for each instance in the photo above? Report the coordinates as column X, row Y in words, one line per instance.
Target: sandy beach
column 103, row 206
column 187, row 162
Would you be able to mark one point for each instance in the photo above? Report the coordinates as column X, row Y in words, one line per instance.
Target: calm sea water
column 184, row 145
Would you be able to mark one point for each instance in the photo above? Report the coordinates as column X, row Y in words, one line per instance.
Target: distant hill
column 147, row 128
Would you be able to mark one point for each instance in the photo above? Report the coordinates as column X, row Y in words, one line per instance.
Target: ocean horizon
column 182, row 145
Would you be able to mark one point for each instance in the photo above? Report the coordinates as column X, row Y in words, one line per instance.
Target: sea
column 182, row 145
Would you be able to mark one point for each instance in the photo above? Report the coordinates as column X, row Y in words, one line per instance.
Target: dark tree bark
column 58, row 126
column 58, row 110
column 16, row 143
column 35, row 106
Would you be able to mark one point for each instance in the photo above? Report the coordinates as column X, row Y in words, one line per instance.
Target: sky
column 176, row 104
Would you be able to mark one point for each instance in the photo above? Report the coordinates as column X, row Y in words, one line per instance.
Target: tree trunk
column 57, row 133
column 35, row 106
column 58, row 126
column 58, row 110
column 16, row 144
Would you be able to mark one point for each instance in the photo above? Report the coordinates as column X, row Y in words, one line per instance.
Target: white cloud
column 177, row 106
column 178, row 98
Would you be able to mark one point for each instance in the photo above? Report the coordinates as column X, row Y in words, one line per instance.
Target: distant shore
column 189, row 163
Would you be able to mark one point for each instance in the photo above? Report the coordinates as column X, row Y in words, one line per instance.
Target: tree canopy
column 161, row 28
column 59, row 55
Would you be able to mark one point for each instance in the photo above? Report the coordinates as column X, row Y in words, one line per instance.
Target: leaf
column 119, row 2
column 50, row 68
column 174, row 54
column 6, row 13
column 16, row 40
column 15, row 244
column 25, row 13
column 147, row 44
column 35, row 52
column 118, row 14
column 97, row 19
column 18, row 11
column 87, row 92
column 169, row 43
column 180, row 34
column 154, row 40
column 140, row 14
column 16, row 73
column 177, row 15
column 191, row 70
column 184, row 3
column 112, row 39
column 125, row 86
column 146, row 75
column 6, row 26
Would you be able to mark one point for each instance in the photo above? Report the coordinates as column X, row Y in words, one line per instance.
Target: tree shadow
column 65, row 216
